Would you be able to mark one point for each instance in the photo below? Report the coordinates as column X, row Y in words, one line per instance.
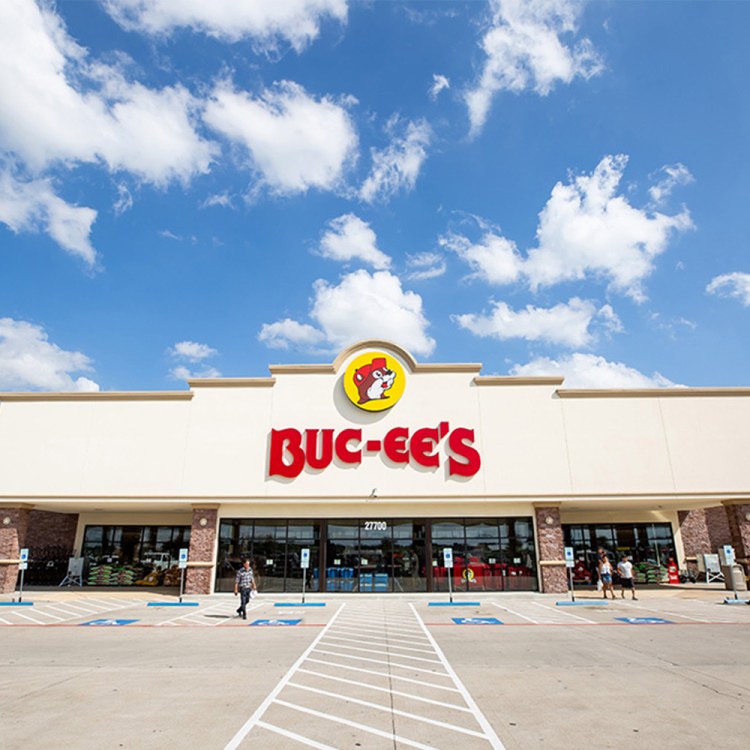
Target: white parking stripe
column 411, row 680
column 517, row 614
column 253, row 720
column 493, row 739
column 390, row 645
column 5, row 622
column 356, row 725
column 27, row 617
column 389, row 709
column 382, row 661
column 564, row 612
column 377, row 651
column 404, row 639
column 297, row 737
column 391, row 691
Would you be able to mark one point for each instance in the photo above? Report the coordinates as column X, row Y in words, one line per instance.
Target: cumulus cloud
column 592, row 371
column 33, row 206
column 349, row 238
column 29, row 361
column 735, row 285
column 192, row 351
column 295, row 141
column 585, row 229
column 297, row 22
column 59, row 108
column 425, row 266
column 670, row 177
column 493, row 259
column 567, row 324
column 438, row 84
column 289, row 334
column 360, row 306
column 397, row 166
column 525, row 48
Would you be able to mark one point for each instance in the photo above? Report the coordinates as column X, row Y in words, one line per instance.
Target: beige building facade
column 376, row 463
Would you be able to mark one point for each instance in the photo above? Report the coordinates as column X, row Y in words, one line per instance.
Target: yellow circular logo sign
column 374, row 381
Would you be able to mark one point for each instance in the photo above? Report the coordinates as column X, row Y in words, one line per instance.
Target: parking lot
column 129, row 669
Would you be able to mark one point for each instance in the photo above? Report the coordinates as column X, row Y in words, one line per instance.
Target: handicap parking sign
column 267, row 623
column 477, row 621
column 645, row 620
column 110, row 623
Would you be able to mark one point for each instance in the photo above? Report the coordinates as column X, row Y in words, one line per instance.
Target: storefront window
column 649, row 545
column 133, row 555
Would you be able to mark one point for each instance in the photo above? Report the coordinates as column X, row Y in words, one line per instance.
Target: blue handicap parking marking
column 477, row 621
column 276, row 622
column 645, row 620
column 109, row 622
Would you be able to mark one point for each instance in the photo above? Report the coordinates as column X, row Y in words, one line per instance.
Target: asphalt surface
column 101, row 670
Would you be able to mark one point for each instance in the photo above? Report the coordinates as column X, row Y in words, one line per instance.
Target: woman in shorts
column 605, row 574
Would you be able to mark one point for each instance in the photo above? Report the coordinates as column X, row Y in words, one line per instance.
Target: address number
column 375, row 525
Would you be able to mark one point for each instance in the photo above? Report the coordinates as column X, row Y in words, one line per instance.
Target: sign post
column 183, row 564
column 304, row 564
column 726, row 554
column 448, row 561
column 22, row 566
column 569, row 562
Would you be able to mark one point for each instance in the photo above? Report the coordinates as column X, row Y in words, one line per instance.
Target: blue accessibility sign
column 645, row 620
column 110, row 623
column 477, row 621
column 267, row 623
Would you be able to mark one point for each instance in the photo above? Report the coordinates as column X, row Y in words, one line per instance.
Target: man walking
column 244, row 585
column 625, row 570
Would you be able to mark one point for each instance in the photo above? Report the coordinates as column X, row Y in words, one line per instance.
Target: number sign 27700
column 375, row 525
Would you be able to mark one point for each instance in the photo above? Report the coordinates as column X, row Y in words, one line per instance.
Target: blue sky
column 200, row 189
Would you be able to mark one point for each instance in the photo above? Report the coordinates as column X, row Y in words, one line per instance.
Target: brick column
column 549, row 546
column 738, row 517
column 14, row 522
column 201, row 564
column 703, row 531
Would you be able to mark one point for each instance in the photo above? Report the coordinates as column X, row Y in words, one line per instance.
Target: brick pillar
column 201, row 563
column 738, row 517
column 695, row 537
column 14, row 522
column 549, row 545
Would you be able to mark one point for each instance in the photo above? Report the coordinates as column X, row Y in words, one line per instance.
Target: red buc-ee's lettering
column 290, row 450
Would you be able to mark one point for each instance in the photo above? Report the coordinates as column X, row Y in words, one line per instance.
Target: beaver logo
column 373, row 380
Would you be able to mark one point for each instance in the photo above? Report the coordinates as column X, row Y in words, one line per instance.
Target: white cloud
column 361, row 306
column 295, row 141
column 439, row 83
column 288, row 333
column 494, row 259
column 585, row 229
column 124, row 200
column 524, row 49
column 592, row 371
column 192, row 351
column 58, row 108
column 219, row 199
column 295, row 21
column 28, row 361
column 349, row 238
column 566, row 324
column 397, row 166
column 32, row 206
column 672, row 176
column 735, row 285
column 425, row 266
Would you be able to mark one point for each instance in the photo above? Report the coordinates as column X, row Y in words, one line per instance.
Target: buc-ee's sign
column 373, row 381
column 292, row 450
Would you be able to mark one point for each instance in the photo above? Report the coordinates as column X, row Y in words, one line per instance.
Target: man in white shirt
column 625, row 571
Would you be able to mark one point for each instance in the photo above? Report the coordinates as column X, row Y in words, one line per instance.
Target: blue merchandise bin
column 381, row 581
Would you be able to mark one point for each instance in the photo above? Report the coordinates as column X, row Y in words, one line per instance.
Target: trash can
column 734, row 578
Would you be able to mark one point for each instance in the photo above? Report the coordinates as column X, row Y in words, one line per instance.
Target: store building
column 375, row 463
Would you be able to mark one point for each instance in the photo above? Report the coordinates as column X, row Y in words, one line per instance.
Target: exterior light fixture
column 203, row 522
column 6, row 521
